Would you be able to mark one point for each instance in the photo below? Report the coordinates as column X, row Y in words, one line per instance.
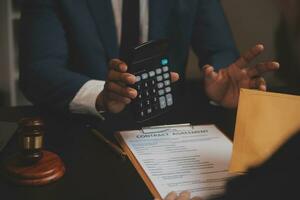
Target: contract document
column 176, row 158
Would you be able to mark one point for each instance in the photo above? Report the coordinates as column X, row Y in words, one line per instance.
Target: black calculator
column 150, row 64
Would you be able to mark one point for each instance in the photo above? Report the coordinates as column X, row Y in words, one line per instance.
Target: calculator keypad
column 154, row 91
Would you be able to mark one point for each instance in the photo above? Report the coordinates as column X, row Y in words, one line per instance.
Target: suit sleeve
column 45, row 75
column 212, row 40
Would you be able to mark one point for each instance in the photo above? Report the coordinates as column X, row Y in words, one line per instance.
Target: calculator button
column 138, row 87
column 147, row 102
column 153, row 82
column 159, row 78
column 147, row 94
column 164, row 61
column 149, row 110
column 167, row 82
column 155, row 100
column 158, row 71
column 153, row 91
column 140, row 105
column 166, row 75
column 161, row 92
column 151, row 73
column 140, row 96
column 168, row 89
column 142, row 113
column 165, row 68
column 145, row 84
column 169, row 99
column 144, row 76
column 162, row 102
column 160, row 85
column 137, row 79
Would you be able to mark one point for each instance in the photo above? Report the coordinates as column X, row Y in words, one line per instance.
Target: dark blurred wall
column 251, row 21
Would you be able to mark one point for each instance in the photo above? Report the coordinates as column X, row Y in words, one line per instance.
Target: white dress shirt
column 84, row 101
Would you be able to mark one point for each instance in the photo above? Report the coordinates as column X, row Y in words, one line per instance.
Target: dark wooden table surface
column 93, row 171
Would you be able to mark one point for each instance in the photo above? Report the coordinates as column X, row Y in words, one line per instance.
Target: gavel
column 31, row 136
column 32, row 165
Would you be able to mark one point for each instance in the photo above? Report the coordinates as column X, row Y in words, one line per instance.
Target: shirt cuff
column 84, row 101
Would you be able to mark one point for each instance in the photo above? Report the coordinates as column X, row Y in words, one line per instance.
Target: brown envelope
column 264, row 122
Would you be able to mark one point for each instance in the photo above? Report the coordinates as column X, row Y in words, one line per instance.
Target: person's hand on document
column 223, row 86
column 117, row 94
column 182, row 196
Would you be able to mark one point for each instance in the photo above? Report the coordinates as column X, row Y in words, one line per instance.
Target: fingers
column 209, row 72
column 196, row 198
column 118, row 73
column 185, row 195
column 171, row 196
column 174, row 77
column 118, row 65
column 118, row 98
column 258, row 83
column 126, row 92
column 262, row 68
column 125, row 78
column 249, row 56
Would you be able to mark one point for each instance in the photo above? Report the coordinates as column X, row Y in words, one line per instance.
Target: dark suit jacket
column 65, row 43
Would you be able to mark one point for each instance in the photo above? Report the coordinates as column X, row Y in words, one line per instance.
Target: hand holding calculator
column 150, row 64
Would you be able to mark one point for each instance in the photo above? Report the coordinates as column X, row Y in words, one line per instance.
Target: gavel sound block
column 32, row 165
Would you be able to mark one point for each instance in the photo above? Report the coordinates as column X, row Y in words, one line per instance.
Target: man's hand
column 117, row 92
column 224, row 86
column 182, row 196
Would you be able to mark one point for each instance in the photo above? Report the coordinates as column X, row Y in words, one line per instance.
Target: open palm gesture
column 224, row 86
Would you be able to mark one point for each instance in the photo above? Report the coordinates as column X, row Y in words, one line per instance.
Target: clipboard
column 138, row 167
column 135, row 162
column 149, row 130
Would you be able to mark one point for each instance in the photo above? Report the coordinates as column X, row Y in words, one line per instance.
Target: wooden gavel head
column 31, row 133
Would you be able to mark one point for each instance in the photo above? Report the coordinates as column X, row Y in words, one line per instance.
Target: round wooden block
column 49, row 169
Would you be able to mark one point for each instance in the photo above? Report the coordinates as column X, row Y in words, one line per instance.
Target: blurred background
column 275, row 23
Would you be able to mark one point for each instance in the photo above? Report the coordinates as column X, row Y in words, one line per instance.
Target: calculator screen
column 149, row 50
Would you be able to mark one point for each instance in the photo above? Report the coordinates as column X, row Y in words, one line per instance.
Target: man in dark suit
column 68, row 50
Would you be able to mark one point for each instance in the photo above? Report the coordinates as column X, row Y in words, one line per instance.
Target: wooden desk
column 93, row 171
